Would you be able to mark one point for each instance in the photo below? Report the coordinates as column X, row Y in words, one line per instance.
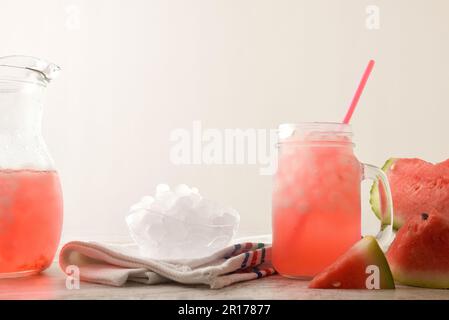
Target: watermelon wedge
column 417, row 186
column 354, row 269
column 419, row 256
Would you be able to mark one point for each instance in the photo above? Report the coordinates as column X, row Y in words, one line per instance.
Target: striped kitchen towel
column 117, row 264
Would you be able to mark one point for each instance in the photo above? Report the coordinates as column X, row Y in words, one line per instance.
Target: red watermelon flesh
column 445, row 163
column 419, row 256
column 350, row 270
column 417, row 186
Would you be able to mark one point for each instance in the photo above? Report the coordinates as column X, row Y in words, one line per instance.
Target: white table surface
column 51, row 285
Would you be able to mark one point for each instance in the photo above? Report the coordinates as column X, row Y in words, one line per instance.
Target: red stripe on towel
column 254, row 259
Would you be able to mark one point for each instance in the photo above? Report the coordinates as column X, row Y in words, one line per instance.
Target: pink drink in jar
column 316, row 198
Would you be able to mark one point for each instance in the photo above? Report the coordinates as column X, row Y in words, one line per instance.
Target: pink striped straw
column 358, row 93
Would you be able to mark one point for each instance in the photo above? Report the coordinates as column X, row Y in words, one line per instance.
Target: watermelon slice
column 419, row 256
column 352, row 270
column 417, row 186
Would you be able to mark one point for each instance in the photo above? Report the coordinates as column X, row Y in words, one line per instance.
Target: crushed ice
column 180, row 224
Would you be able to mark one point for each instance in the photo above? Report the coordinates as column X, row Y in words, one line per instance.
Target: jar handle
column 386, row 234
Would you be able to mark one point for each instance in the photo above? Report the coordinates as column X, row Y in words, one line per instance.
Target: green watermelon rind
column 387, row 280
column 427, row 279
column 375, row 197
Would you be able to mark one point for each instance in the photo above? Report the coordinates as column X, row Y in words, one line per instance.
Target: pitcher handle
column 386, row 234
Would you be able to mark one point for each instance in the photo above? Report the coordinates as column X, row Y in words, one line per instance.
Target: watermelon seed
column 336, row 284
column 425, row 216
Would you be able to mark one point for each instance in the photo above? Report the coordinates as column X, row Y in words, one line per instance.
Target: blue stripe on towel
column 259, row 274
column 245, row 260
column 236, row 248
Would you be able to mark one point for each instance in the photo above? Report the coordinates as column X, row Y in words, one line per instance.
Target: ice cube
column 229, row 217
column 156, row 230
column 161, row 189
column 183, row 190
column 176, row 230
column 195, row 190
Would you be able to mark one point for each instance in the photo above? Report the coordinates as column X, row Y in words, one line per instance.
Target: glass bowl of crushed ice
column 180, row 224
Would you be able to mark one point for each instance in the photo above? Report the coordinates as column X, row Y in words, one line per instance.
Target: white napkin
column 116, row 264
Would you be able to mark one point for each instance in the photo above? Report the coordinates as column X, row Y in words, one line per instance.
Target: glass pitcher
column 317, row 198
column 30, row 193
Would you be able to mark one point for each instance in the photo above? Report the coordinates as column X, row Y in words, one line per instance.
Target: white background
column 135, row 70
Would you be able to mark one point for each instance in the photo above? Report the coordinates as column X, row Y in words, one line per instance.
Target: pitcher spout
column 46, row 71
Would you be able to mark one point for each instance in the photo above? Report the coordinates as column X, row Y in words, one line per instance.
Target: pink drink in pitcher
column 30, row 193
column 316, row 197
column 30, row 220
